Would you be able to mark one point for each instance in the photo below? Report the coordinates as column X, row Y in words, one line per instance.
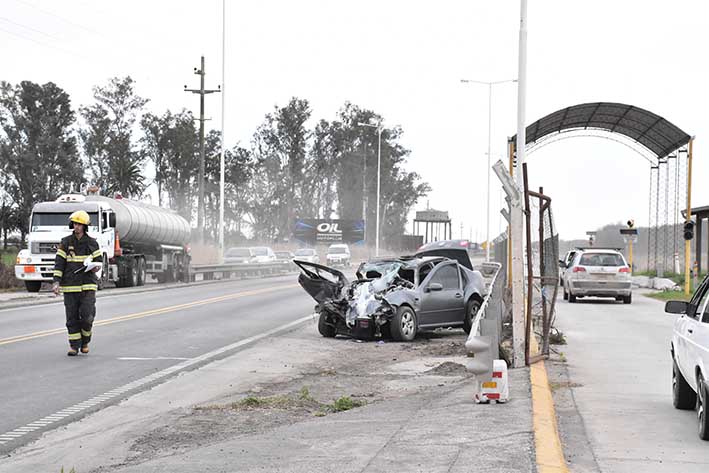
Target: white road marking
column 187, row 363
column 136, row 358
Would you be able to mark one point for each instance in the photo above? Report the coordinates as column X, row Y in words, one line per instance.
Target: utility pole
column 202, row 92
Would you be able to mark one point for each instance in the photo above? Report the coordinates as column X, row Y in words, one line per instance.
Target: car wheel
column 325, row 328
column 403, row 325
column 566, row 295
column 572, row 298
column 683, row 397
column 628, row 299
column 471, row 310
column 702, row 417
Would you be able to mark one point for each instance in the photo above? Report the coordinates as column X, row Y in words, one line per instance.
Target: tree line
column 290, row 169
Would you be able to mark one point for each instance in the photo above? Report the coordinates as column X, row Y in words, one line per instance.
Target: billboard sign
column 312, row 231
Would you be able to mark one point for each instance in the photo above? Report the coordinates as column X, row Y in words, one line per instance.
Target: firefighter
column 77, row 285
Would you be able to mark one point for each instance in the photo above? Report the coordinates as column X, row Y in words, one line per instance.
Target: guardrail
column 227, row 271
column 484, row 338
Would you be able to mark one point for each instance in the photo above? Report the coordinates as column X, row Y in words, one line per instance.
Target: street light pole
column 379, row 128
column 221, row 159
column 489, row 139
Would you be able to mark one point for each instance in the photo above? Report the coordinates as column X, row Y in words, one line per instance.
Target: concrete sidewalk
column 418, row 415
column 440, row 430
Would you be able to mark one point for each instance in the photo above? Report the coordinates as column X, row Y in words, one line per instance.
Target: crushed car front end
column 360, row 309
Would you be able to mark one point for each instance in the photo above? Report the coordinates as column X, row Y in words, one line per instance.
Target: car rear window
column 601, row 259
column 304, row 252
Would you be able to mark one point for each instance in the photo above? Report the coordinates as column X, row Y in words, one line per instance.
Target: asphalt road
column 135, row 335
column 619, row 360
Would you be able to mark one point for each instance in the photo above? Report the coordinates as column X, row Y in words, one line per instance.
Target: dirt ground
column 352, row 375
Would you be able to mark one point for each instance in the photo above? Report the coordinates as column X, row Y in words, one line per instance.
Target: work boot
column 72, row 352
column 85, row 348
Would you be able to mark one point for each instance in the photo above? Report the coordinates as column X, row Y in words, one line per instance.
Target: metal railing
column 230, row 270
column 494, row 292
column 484, row 338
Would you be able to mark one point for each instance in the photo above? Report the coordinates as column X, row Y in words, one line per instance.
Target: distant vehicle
column 285, row 259
column 338, row 254
column 263, row 255
column 307, row 254
column 136, row 239
column 598, row 272
column 458, row 250
column 394, row 297
column 690, row 355
column 239, row 256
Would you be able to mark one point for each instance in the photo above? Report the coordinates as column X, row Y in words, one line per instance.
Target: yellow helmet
column 80, row 217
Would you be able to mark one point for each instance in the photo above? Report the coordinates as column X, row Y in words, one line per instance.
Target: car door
column 696, row 333
column 687, row 332
column 441, row 307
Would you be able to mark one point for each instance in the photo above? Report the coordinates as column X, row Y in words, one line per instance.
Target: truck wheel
column 129, row 275
column 141, row 272
column 325, row 328
column 628, row 299
column 33, row 286
column 403, row 325
column 683, row 397
column 702, row 416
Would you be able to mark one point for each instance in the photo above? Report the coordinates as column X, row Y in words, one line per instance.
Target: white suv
column 600, row 273
column 338, row 255
column 690, row 355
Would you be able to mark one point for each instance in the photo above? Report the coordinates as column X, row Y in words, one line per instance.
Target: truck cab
column 49, row 223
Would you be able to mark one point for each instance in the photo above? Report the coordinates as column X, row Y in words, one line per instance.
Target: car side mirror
column 562, row 264
column 676, row 307
column 435, row 286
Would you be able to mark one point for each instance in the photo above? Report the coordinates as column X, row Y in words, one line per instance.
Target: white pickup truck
column 690, row 355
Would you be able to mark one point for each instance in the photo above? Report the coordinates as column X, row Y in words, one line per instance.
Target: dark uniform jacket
column 71, row 254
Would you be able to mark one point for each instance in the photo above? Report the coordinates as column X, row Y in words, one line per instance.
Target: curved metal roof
column 652, row 131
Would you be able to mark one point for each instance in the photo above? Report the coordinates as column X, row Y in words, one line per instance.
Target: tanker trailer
column 137, row 239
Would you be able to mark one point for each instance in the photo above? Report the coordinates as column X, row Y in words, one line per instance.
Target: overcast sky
column 403, row 59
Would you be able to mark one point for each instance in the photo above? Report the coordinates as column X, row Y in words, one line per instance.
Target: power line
column 7, row 20
column 50, row 13
column 46, row 45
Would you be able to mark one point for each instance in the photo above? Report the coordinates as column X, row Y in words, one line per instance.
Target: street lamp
column 489, row 131
column 379, row 129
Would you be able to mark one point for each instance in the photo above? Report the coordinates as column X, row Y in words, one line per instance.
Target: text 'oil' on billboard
column 312, row 231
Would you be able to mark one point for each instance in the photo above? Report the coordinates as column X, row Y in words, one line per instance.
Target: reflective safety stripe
column 71, row 288
column 96, row 254
column 61, row 253
column 89, row 287
column 77, row 258
column 86, row 333
column 58, row 273
column 75, row 336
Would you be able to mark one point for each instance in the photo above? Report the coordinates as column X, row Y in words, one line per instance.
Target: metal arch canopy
column 652, row 131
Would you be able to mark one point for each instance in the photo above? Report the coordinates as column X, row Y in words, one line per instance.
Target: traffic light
column 631, row 223
column 689, row 230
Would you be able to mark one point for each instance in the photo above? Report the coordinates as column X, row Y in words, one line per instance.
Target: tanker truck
column 136, row 239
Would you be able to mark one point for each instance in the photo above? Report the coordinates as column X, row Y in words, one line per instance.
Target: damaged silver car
column 393, row 298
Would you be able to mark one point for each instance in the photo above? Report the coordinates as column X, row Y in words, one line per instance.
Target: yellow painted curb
column 550, row 455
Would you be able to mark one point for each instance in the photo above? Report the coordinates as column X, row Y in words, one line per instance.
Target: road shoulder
column 416, row 398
